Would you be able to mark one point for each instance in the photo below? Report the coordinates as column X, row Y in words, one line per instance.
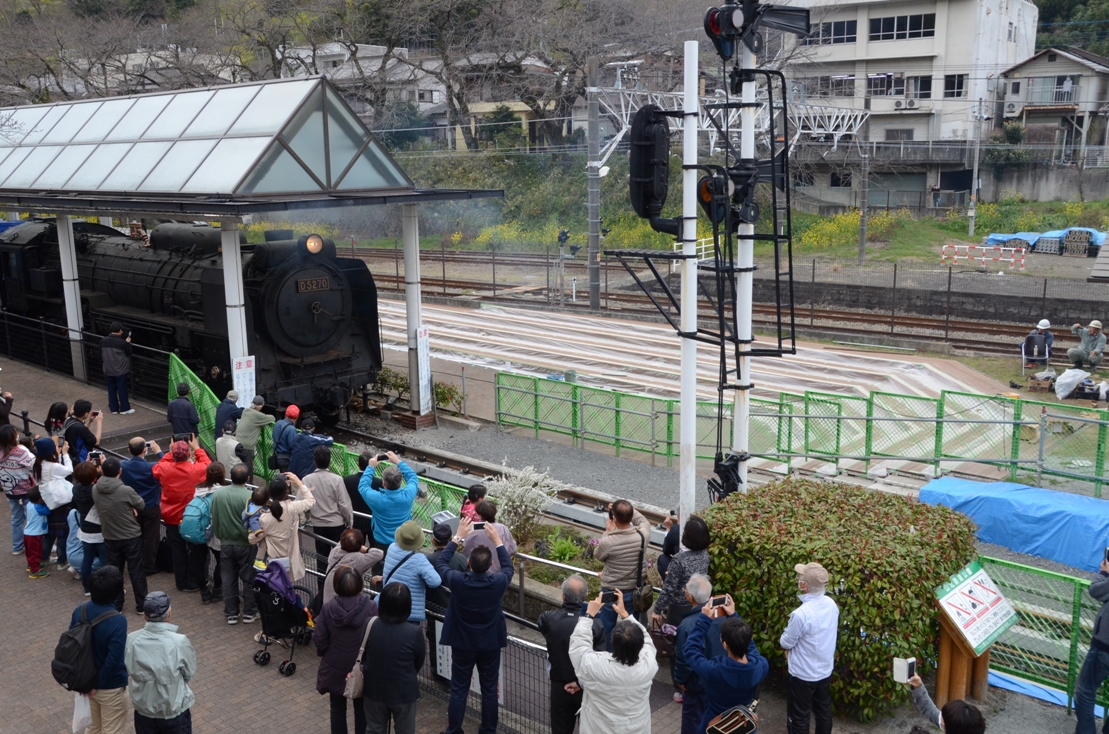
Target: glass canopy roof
column 280, row 137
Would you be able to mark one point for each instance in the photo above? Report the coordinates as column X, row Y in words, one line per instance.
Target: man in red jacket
column 179, row 472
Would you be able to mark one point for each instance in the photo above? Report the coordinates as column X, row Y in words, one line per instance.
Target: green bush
column 448, row 396
column 886, row 555
column 390, row 380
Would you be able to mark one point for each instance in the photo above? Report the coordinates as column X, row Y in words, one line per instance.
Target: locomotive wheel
column 262, row 657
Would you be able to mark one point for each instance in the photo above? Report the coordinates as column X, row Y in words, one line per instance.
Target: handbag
column 736, row 720
column 316, row 605
column 644, row 595
column 56, row 492
column 352, row 688
column 665, row 637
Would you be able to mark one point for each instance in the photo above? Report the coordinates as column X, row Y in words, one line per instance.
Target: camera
column 479, row 526
column 147, row 445
column 96, row 457
column 608, row 597
column 382, row 457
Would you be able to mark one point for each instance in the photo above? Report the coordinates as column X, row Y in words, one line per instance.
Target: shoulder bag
column 644, row 595
column 352, row 688
column 736, row 720
column 386, row 579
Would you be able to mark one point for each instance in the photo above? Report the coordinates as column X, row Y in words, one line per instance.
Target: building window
column 427, row 95
column 1011, row 32
column 830, row 86
column 411, row 95
column 1014, row 88
column 898, row 27
column 920, row 87
column 1052, row 57
column 334, row 64
column 885, row 85
column 841, row 180
column 954, row 85
column 906, row 134
column 838, row 31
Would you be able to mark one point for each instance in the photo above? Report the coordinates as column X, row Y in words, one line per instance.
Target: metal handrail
column 28, row 420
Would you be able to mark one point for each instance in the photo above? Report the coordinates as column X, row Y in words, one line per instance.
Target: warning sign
column 976, row 607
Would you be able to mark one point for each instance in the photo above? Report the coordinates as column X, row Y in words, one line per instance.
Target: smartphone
column 96, row 457
column 96, row 414
column 912, row 667
column 673, row 513
column 608, row 597
column 903, row 669
column 719, row 601
column 382, row 457
column 479, row 526
column 1107, row 553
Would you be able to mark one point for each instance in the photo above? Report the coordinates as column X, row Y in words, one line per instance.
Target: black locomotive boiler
column 311, row 316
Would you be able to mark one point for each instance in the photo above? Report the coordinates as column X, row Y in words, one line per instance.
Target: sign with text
column 423, row 359
column 242, row 375
column 976, row 607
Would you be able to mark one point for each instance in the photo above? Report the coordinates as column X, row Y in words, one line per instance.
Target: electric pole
column 864, row 193
column 974, row 176
column 594, row 176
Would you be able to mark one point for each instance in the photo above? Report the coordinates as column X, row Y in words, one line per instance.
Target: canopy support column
column 233, row 289
column 71, row 289
column 419, row 378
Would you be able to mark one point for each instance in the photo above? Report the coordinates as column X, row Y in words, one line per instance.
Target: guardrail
column 1032, row 439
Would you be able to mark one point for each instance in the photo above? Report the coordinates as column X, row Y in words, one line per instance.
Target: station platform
column 34, row 389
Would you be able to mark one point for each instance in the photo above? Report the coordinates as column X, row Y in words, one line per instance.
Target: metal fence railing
column 1064, row 445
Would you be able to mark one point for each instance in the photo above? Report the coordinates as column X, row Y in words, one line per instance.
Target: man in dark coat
column 557, row 625
column 227, row 410
column 115, row 357
column 474, row 625
column 182, row 415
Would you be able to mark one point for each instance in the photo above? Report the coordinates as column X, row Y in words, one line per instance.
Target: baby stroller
column 285, row 616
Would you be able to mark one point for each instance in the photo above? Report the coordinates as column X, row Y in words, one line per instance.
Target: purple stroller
column 283, row 607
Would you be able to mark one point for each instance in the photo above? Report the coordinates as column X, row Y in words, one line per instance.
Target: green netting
column 840, row 428
column 975, row 440
column 912, row 439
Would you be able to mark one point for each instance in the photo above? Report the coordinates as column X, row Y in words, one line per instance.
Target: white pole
column 745, row 263
column 233, row 288
column 71, row 289
column 974, row 176
column 688, row 411
column 410, row 233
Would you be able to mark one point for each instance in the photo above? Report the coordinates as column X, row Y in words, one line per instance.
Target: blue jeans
column 607, row 615
column 1094, row 670
column 94, row 554
column 19, row 519
column 117, row 393
column 488, row 664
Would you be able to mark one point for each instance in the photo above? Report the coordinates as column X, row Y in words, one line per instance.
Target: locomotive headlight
column 314, row 244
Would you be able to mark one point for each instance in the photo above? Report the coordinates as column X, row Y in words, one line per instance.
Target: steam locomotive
column 311, row 316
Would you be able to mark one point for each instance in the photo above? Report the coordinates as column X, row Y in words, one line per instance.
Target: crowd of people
column 219, row 528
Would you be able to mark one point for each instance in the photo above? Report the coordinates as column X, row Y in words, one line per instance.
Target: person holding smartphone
column 956, row 717
column 82, row 430
column 115, row 356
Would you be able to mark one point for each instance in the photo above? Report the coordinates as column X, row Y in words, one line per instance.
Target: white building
column 919, row 67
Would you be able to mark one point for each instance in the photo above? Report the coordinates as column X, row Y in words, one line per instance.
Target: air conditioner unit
column 911, row 104
column 1011, row 107
column 898, row 104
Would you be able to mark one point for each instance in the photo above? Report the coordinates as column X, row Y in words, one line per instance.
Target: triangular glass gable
column 305, row 135
column 372, row 170
column 278, row 172
column 346, row 137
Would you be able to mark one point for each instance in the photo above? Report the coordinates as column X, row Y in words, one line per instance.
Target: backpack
column 73, row 665
column 196, row 523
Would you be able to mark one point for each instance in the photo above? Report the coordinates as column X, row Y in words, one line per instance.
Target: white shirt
column 810, row 637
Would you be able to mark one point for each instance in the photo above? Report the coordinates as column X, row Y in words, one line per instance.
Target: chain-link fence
column 1045, row 444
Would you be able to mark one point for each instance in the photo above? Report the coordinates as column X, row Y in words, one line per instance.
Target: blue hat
column 45, row 447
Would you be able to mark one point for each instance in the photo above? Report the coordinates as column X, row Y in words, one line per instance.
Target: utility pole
column 864, row 193
column 745, row 278
column 974, row 176
column 594, row 181
column 687, row 456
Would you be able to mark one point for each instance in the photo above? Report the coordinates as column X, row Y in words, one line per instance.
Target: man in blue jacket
column 392, row 504
column 731, row 679
column 698, row 591
column 301, row 461
column 109, row 639
column 474, row 625
column 136, row 473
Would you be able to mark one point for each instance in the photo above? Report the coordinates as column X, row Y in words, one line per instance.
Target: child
column 33, row 531
column 252, row 517
column 469, row 503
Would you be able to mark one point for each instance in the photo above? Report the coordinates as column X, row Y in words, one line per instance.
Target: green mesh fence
column 437, row 496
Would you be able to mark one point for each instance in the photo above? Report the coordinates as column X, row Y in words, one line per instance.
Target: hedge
column 886, row 555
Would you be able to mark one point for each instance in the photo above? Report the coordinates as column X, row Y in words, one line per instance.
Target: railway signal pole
column 594, row 175
column 687, row 476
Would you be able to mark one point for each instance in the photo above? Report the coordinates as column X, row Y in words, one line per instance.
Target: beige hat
column 812, row 574
column 232, row 395
column 1095, row 324
column 410, row 536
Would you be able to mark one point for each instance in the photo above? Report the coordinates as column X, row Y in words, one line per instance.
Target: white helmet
column 1044, row 324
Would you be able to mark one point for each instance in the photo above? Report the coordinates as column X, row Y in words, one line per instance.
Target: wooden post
column 980, row 679
column 943, row 671
column 960, row 674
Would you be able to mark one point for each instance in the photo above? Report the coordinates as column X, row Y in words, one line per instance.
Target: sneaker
column 249, row 618
column 75, row 573
column 262, row 639
column 190, row 591
column 17, row 552
column 63, row 566
column 127, row 412
column 115, row 412
column 233, row 620
column 39, row 574
column 140, row 612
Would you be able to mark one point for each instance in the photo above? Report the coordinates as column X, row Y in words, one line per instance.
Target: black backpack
column 73, row 665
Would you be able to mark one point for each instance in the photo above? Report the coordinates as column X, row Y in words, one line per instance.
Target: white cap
column 1044, row 324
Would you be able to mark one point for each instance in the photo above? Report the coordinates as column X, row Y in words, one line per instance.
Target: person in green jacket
column 237, row 555
column 160, row 662
column 249, row 429
column 1092, row 347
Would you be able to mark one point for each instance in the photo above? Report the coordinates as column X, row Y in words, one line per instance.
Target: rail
column 1031, row 439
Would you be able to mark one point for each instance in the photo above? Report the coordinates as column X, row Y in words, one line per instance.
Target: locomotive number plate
column 313, row 284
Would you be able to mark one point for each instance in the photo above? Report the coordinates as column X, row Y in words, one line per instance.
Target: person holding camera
column 181, row 413
column 956, row 717
column 487, row 515
column 810, row 644
column 1095, row 669
column 621, row 548
column 179, row 472
column 556, row 626
column 698, row 592
column 616, row 684
column 82, row 430
column 391, row 505
column 115, row 356
column 137, row 473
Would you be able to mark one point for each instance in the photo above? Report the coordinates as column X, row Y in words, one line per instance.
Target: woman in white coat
column 280, row 536
column 617, row 684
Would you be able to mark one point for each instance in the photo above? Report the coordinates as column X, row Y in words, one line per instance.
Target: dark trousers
column 55, row 538
column 180, row 724
column 249, row 461
column 121, row 553
column 807, row 697
column 324, row 549
column 92, row 552
column 179, row 550
column 339, row 714
column 196, row 566
column 237, row 565
column 564, row 708
column 1095, row 669
column 693, row 710
column 378, row 714
column 488, row 664
column 117, row 395
column 150, row 520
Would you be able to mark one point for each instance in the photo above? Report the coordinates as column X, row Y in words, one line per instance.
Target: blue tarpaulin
column 1063, row 527
column 1096, row 238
